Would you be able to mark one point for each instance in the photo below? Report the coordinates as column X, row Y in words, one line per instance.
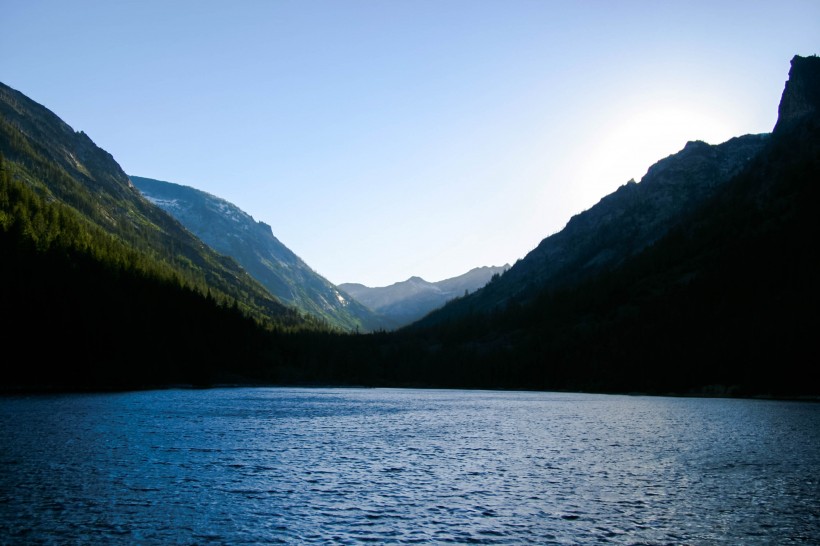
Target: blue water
column 392, row 466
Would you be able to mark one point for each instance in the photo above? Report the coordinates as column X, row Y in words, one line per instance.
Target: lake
column 403, row 466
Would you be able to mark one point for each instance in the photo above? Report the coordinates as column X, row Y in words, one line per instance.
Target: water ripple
column 347, row 466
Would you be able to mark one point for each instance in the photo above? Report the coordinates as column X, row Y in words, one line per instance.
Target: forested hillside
column 99, row 286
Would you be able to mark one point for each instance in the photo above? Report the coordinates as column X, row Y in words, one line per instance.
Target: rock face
column 73, row 151
column 230, row 231
column 801, row 94
column 407, row 301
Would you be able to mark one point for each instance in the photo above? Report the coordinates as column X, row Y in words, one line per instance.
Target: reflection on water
column 346, row 466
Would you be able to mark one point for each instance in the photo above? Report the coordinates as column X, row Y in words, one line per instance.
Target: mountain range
column 351, row 307
column 407, row 301
column 699, row 279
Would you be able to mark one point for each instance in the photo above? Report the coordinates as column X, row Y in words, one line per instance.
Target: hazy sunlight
column 627, row 146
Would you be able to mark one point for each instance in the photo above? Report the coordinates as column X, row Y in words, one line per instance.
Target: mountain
column 619, row 226
column 231, row 231
column 102, row 287
column 701, row 279
column 407, row 301
column 718, row 297
column 67, row 166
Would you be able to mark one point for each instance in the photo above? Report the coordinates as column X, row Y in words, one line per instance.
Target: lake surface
column 394, row 466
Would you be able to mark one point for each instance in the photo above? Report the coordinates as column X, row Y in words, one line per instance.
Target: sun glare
column 627, row 146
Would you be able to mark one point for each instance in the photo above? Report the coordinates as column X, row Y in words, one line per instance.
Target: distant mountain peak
column 407, row 301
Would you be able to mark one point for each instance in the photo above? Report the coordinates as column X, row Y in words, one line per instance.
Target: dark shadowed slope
column 723, row 300
column 619, row 226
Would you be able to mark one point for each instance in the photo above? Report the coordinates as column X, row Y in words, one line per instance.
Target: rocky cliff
column 801, row 94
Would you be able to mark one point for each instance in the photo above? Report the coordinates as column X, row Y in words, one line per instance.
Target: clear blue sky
column 385, row 139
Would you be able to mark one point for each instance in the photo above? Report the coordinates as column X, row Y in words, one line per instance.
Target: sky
column 387, row 139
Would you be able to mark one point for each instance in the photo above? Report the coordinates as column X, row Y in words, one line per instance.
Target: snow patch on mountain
column 164, row 204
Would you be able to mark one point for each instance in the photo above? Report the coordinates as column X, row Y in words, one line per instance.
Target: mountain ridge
column 621, row 224
column 409, row 300
column 722, row 304
column 105, row 290
column 66, row 165
column 233, row 232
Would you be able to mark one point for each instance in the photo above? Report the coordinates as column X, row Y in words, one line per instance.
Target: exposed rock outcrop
column 801, row 94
